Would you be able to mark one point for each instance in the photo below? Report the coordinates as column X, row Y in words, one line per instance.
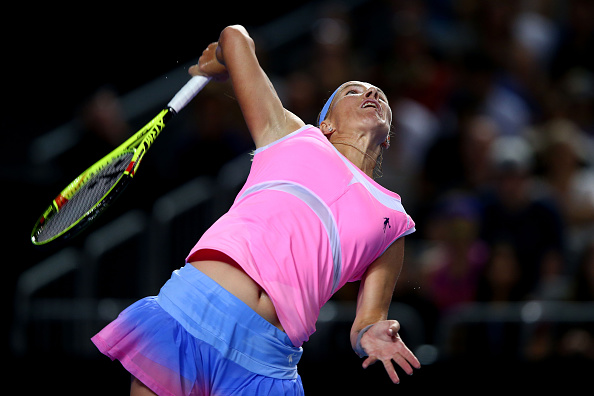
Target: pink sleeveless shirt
column 306, row 222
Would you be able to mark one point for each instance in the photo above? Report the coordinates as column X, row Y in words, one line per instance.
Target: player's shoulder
column 286, row 126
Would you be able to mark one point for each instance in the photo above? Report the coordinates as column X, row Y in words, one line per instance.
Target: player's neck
column 358, row 153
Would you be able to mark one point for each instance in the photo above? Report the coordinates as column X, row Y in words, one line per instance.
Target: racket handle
column 187, row 93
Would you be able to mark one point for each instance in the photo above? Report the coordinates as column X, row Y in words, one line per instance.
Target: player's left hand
column 382, row 342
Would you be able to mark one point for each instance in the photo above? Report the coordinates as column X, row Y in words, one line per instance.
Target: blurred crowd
column 492, row 144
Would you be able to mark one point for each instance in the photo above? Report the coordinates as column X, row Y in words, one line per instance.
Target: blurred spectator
column 453, row 265
column 483, row 83
column 413, row 67
column 532, row 224
column 456, row 161
column 102, row 116
column 103, row 128
column 534, row 28
column 476, row 142
column 499, row 285
column 568, row 177
column 500, row 281
column 574, row 49
column 564, row 151
column 572, row 66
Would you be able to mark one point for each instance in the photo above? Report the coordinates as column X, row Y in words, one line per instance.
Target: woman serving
column 309, row 219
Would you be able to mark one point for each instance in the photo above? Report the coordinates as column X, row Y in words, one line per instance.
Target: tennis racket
column 87, row 196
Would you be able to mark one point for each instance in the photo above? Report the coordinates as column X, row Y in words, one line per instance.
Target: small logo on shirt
column 386, row 223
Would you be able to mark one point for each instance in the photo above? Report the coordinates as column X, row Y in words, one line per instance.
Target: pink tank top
column 306, row 222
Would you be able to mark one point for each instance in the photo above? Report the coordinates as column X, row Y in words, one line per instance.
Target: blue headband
column 326, row 107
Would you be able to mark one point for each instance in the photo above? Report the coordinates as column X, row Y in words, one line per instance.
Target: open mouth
column 372, row 104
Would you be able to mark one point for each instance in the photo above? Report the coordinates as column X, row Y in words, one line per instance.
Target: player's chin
column 379, row 126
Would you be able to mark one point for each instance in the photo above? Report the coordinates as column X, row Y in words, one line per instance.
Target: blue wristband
column 358, row 348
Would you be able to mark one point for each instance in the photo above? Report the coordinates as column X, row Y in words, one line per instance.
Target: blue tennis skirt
column 195, row 338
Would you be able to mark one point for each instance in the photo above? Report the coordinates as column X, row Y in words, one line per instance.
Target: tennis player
column 309, row 219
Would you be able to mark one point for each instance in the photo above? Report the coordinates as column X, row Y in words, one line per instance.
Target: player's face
column 363, row 104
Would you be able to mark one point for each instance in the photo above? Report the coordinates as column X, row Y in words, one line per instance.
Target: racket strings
column 86, row 198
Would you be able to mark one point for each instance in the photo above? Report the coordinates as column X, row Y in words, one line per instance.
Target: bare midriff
column 227, row 273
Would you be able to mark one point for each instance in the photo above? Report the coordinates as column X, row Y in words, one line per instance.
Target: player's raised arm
column 234, row 55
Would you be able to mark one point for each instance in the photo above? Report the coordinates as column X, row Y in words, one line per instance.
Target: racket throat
column 131, row 168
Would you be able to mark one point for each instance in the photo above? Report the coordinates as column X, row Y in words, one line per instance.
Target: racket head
column 94, row 190
column 79, row 204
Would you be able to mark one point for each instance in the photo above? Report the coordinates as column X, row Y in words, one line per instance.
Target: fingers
column 407, row 354
column 391, row 371
column 405, row 359
column 194, row 70
column 369, row 361
column 388, row 366
column 410, row 358
column 404, row 364
column 414, row 361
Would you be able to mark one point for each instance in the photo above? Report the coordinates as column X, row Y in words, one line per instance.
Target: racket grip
column 187, row 93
